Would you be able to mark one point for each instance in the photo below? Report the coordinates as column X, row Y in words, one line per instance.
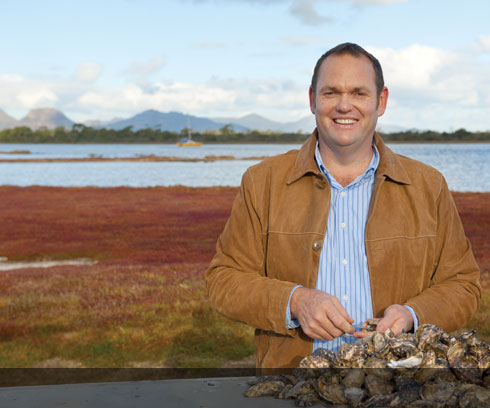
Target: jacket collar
column 389, row 164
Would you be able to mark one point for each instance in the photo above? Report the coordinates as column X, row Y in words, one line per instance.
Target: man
column 341, row 231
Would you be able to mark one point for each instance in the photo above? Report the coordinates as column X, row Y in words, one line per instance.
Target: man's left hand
column 396, row 317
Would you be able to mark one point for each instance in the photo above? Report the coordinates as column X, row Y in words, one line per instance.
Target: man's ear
column 311, row 94
column 383, row 100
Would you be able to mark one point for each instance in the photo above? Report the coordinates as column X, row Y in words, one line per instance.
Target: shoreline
column 149, row 158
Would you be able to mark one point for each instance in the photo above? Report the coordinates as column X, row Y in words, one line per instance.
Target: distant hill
column 45, row 117
column 7, row 121
column 171, row 121
column 254, row 121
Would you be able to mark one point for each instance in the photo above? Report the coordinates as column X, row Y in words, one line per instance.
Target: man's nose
column 344, row 103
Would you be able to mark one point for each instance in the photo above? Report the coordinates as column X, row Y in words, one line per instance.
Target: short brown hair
column 355, row 51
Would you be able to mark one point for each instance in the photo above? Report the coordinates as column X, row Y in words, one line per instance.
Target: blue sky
column 105, row 59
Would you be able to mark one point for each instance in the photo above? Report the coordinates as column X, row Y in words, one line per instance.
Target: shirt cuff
column 291, row 323
column 415, row 319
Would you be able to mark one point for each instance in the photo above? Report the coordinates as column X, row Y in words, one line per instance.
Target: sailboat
column 187, row 141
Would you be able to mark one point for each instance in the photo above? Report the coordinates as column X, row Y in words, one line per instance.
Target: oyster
column 306, row 400
column 378, row 367
column 354, row 395
column 408, row 390
column 402, row 347
column 354, row 378
column 477, row 397
column 379, row 401
column 301, row 387
column 439, row 391
column 376, row 385
column 463, row 364
column 331, row 391
column 380, row 343
column 282, row 393
column 427, row 334
column 352, row 355
column 264, row 388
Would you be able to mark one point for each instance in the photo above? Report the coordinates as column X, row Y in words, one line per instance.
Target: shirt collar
column 389, row 167
column 368, row 173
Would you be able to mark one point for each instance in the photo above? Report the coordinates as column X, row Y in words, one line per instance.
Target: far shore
column 150, row 158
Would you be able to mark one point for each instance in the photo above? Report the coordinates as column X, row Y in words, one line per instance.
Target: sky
column 96, row 60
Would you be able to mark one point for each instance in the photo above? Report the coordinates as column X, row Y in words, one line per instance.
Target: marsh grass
column 116, row 317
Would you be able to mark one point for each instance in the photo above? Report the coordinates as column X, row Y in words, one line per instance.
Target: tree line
column 80, row 133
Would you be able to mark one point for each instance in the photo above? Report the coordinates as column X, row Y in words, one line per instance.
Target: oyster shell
column 301, row 387
column 478, row 397
column 402, row 347
column 463, row 364
column 354, row 378
column 354, row 395
column 352, row 355
column 306, row 400
column 331, row 391
column 376, row 385
column 439, row 391
column 427, row 333
column 264, row 388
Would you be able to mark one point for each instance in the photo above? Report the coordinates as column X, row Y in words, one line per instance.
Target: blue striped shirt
column 343, row 269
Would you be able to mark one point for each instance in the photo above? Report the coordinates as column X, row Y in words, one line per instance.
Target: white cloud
column 88, row 71
column 217, row 96
column 484, row 43
column 11, row 78
column 37, row 98
column 413, row 67
column 305, row 11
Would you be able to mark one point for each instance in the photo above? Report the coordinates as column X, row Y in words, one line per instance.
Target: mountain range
column 170, row 121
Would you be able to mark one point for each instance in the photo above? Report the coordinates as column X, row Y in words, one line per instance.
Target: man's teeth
column 345, row 121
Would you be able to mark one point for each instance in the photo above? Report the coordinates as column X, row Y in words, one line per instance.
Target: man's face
column 345, row 102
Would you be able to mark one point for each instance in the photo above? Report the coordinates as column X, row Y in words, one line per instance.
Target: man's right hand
column 320, row 315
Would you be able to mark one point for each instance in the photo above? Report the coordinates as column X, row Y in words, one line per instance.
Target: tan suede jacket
column 416, row 248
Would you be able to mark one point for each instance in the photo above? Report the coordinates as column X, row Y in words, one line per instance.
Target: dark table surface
column 182, row 393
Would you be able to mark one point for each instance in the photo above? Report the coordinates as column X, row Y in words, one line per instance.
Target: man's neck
column 346, row 164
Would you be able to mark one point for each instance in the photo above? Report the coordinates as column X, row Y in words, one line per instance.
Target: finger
column 318, row 333
column 340, row 318
column 362, row 334
column 387, row 322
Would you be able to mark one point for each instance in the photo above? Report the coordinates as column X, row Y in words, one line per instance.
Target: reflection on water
column 465, row 166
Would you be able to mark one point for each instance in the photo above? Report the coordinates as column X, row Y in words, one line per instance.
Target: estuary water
column 465, row 166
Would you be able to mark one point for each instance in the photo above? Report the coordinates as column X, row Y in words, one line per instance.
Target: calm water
column 465, row 166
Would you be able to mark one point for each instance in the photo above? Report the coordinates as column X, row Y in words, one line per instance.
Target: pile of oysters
column 429, row 368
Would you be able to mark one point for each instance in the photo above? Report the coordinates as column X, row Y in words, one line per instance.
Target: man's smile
column 345, row 121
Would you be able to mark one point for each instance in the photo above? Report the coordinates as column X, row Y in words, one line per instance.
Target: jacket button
column 317, row 245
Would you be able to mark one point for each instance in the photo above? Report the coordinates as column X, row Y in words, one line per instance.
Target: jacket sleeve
column 237, row 282
column 454, row 293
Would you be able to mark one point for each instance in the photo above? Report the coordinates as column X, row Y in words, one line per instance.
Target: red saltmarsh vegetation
column 144, row 301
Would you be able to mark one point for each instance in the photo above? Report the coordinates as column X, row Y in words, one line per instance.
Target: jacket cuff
column 291, row 323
